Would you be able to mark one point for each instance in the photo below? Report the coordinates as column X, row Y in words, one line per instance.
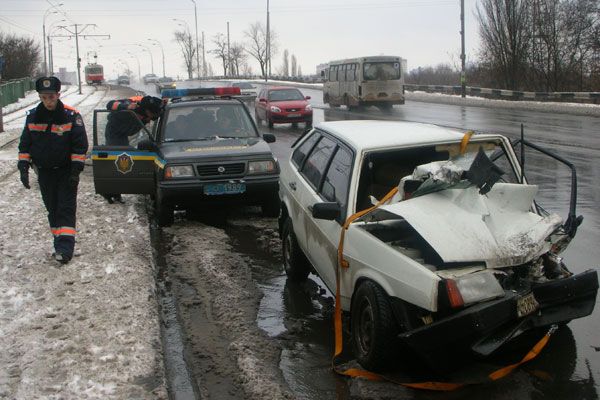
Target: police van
column 203, row 150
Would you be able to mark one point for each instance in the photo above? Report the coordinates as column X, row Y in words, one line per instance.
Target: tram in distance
column 94, row 74
column 364, row 81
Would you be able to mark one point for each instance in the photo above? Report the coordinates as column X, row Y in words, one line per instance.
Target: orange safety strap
column 435, row 386
column 465, row 141
column 24, row 156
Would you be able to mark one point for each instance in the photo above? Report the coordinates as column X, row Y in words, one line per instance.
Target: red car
column 282, row 105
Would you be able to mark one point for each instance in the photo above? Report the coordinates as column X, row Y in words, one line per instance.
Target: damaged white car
column 458, row 258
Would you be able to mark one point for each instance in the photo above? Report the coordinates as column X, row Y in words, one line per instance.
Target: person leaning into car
column 120, row 125
column 54, row 142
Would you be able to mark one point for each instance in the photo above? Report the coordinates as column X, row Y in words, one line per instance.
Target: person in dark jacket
column 54, row 142
column 121, row 124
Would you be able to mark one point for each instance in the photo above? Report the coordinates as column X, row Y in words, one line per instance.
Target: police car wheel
column 163, row 211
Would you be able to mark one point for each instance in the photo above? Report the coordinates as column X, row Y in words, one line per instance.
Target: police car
column 203, row 150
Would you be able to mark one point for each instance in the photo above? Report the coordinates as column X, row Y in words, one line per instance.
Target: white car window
column 317, row 161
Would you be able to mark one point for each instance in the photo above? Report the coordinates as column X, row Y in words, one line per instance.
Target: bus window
column 381, row 71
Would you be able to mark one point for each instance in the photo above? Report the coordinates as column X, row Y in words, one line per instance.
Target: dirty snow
column 89, row 329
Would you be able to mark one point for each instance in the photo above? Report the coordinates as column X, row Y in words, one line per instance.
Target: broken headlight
column 478, row 286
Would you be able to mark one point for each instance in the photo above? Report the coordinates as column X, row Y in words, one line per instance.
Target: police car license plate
column 526, row 305
column 224, row 188
column 293, row 115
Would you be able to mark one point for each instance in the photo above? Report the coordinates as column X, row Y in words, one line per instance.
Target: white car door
column 296, row 190
column 328, row 169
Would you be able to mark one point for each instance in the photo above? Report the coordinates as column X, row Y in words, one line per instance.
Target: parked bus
column 365, row 81
column 94, row 73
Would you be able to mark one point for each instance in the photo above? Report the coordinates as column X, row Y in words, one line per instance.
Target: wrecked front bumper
column 483, row 328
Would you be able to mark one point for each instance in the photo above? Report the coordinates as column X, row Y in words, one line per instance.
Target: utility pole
column 268, row 63
column 204, row 72
column 76, row 35
column 228, row 52
column 463, row 83
column 197, row 51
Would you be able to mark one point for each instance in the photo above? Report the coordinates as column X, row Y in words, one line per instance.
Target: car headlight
column 275, row 109
column 308, row 108
column 179, row 171
column 478, row 286
column 261, row 167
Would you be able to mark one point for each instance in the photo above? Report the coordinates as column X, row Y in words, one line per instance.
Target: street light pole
column 268, row 52
column 197, row 51
column 163, row 53
column 204, row 72
column 44, row 37
column 463, row 79
column 228, row 53
column 149, row 52
column 138, row 63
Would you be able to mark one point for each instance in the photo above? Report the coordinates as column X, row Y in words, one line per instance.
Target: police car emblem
column 221, row 169
column 124, row 163
column 46, row 83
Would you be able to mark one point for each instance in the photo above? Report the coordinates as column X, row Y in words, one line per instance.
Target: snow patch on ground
column 88, row 329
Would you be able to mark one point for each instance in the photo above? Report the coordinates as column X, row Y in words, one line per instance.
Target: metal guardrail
column 593, row 97
column 12, row 91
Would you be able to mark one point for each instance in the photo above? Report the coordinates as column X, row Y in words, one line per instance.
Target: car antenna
column 522, row 154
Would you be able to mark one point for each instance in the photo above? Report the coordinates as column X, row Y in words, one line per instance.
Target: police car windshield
column 207, row 122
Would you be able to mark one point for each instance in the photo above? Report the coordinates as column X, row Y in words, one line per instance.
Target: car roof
column 281, row 87
column 370, row 134
column 192, row 102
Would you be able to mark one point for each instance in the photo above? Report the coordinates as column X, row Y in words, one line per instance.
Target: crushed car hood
column 224, row 148
column 498, row 228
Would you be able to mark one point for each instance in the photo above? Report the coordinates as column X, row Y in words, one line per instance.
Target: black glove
column 74, row 177
column 24, row 170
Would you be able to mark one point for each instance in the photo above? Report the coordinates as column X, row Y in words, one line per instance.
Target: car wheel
column 163, row 210
column 270, row 124
column 270, row 206
column 374, row 329
column 295, row 263
column 308, row 124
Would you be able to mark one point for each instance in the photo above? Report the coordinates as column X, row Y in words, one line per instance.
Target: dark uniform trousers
column 60, row 198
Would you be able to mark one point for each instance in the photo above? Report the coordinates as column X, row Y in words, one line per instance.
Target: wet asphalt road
column 568, row 368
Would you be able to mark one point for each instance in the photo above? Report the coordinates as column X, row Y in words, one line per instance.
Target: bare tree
column 294, row 66
column 504, row 31
column 299, row 71
column 220, row 50
column 257, row 46
column 188, row 49
column 21, row 56
column 238, row 58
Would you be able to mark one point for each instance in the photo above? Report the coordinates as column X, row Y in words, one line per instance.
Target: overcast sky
column 425, row 32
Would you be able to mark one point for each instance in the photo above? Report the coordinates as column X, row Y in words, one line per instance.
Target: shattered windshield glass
column 474, row 166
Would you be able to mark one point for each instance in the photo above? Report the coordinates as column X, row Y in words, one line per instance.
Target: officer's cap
column 47, row 84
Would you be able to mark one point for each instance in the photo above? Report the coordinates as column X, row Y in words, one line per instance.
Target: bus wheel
column 386, row 107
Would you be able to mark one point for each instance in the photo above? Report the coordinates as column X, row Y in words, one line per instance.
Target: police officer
column 120, row 124
column 54, row 142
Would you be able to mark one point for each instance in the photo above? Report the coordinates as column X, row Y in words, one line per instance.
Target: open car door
column 121, row 169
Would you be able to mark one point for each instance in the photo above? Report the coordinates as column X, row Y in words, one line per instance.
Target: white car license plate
column 526, row 305
column 216, row 189
column 293, row 115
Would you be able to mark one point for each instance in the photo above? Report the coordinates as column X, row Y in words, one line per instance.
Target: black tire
column 270, row 206
column 270, row 124
column 295, row 263
column 386, row 107
column 308, row 124
column 374, row 329
column 163, row 210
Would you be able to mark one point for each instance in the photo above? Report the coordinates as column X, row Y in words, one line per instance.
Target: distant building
column 322, row 67
column 66, row 77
